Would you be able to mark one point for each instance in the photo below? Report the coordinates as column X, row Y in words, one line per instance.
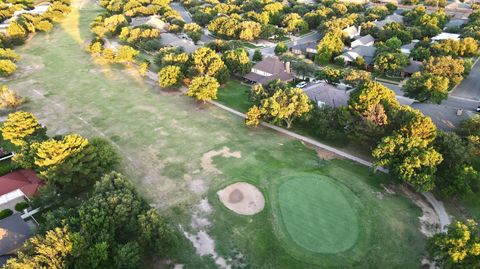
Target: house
column 455, row 23
column 412, row 67
column 152, row 21
column 16, row 185
column 389, row 19
column 309, row 48
column 367, row 40
column 352, row 31
column 269, row 69
column 14, row 231
column 327, row 94
column 446, row 36
column 367, row 52
column 407, row 48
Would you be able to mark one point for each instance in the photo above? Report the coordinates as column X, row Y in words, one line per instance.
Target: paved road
column 183, row 12
column 470, row 86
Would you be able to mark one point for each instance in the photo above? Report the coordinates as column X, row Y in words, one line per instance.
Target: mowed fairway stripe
column 317, row 215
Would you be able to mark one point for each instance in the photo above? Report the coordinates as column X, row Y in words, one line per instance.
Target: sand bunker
column 242, row 198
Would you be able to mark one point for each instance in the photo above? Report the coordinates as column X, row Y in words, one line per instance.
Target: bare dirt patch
column 207, row 159
column 242, row 198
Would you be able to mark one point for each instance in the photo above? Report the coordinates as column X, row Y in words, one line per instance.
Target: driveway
column 469, row 88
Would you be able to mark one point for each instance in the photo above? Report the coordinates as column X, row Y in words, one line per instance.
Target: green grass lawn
column 235, row 95
column 164, row 137
column 317, row 214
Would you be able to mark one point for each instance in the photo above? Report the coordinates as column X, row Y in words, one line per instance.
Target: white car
column 301, row 84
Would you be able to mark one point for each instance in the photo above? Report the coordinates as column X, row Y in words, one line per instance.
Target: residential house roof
column 324, row 93
column 413, row 66
column 367, row 40
column 14, row 231
column 407, row 48
column 25, row 179
column 389, row 19
column 455, row 23
column 367, row 52
column 351, row 31
column 308, row 47
column 271, row 65
column 445, row 36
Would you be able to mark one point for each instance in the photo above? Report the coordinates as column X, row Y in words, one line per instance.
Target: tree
column 328, row 122
column 356, row 78
column 170, row 75
column 155, row 235
column 330, row 74
column 126, row 54
column 49, row 251
column 446, row 66
column 209, row 63
column 7, row 67
column 237, row 61
column 427, row 87
column 373, row 102
column 390, row 63
column 286, row 106
column 253, row 116
column 294, row 23
column 249, row 30
column 8, row 98
column 408, row 152
column 456, row 175
column 20, row 127
column 9, row 54
column 330, row 46
column 16, row 33
column 194, row 31
column 459, row 247
column 203, row 88
column 280, row 48
column 257, row 56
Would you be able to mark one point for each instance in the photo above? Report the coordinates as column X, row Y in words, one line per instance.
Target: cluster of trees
column 403, row 139
column 459, row 247
column 277, row 103
column 94, row 217
column 9, row 99
column 389, row 59
column 472, row 28
column 124, row 54
column 438, row 76
column 139, row 37
column 18, row 30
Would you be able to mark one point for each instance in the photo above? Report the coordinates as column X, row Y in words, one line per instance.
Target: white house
column 367, row 40
column 446, row 36
column 352, row 31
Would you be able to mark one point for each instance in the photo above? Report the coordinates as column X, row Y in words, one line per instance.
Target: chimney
column 359, row 29
column 287, row 67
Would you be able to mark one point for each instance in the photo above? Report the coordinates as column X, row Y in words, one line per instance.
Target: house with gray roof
column 352, row 31
column 309, row 48
column 454, row 23
column 407, row 48
column 326, row 94
column 367, row 40
column 389, row 19
column 14, row 231
column 366, row 52
column 269, row 69
column 412, row 67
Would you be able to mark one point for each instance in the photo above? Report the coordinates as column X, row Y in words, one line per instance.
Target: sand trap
column 242, row 198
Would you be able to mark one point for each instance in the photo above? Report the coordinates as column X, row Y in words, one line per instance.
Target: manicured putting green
column 317, row 215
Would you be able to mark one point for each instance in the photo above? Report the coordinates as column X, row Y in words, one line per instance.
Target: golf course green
column 317, row 215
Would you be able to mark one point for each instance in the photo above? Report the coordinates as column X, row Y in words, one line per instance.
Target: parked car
column 478, row 109
column 301, row 84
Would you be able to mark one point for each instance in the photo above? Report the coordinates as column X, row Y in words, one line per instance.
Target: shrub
column 5, row 213
column 21, row 206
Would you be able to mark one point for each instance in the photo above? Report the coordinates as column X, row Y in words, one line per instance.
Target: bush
column 5, row 213
column 6, row 166
column 21, row 206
